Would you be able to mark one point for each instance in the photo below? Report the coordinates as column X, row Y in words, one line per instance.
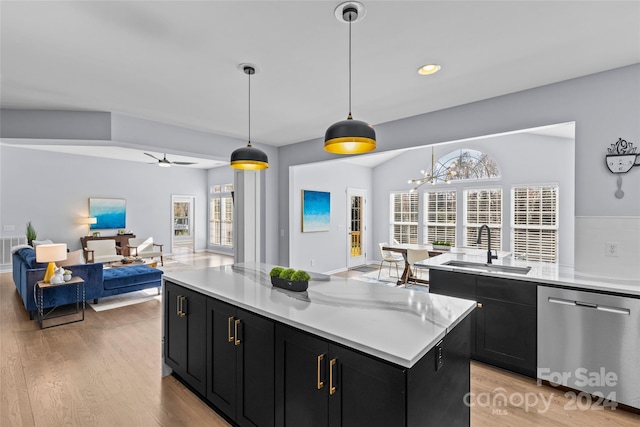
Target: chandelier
column 441, row 173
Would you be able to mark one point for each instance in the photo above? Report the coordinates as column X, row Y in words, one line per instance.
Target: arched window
column 465, row 163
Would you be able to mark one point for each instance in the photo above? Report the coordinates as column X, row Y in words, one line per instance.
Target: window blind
column 440, row 216
column 483, row 206
column 535, row 222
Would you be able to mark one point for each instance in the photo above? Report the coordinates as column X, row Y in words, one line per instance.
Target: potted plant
column 442, row 245
column 31, row 233
column 67, row 275
column 289, row 278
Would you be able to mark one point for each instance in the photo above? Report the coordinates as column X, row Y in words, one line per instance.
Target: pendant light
column 350, row 136
column 249, row 157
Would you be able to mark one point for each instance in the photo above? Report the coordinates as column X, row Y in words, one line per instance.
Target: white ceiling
column 176, row 61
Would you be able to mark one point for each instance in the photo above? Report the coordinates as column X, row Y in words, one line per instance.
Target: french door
column 356, row 229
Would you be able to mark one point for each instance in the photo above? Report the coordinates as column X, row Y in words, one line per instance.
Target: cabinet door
column 457, row 285
column 302, row 399
column 256, row 371
column 221, row 355
column 175, row 337
column 185, row 335
column 506, row 335
column 364, row 391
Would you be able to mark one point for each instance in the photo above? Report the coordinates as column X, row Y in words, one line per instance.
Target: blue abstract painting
column 316, row 210
column 110, row 213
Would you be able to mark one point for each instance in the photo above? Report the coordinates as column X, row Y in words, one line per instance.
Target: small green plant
column 442, row 243
column 68, row 272
column 300, row 276
column 287, row 273
column 31, row 232
column 275, row 271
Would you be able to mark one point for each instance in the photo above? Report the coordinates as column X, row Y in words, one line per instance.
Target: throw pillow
column 41, row 242
column 73, row 258
column 16, row 248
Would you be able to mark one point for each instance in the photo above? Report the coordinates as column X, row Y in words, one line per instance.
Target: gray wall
column 52, row 190
column 604, row 106
column 327, row 249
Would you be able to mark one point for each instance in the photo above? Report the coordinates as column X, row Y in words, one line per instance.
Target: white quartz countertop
column 541, row 272
column 394, row 324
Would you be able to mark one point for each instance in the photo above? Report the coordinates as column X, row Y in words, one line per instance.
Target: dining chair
column 413, row 256
column 390, row 258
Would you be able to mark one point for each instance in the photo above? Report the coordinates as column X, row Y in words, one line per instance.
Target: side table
column 40, row 288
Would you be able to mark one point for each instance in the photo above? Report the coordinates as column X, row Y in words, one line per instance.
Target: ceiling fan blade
column 183, row 163
column 151, row 155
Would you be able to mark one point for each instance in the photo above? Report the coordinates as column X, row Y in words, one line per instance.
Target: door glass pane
column 356, row 226
column 181, row 226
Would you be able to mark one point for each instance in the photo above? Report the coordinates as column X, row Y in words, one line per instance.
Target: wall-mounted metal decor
column 621, row 158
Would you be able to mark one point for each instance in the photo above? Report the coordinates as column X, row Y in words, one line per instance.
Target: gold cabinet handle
column 179, row 305
column 479, row 305
column 229, row 336
column 320, row 359
column 332, row 387
column 237, row 322
column 185, row 306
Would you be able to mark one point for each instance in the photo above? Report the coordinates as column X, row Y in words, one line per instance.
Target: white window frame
column 543, row 243
column 393, row 223
column 445, row 229
column 223, row 195
column 470, row 228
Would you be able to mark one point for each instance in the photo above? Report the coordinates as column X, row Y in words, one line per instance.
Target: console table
column 122, row 240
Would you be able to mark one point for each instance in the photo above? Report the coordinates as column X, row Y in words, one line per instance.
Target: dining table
column 404, row 248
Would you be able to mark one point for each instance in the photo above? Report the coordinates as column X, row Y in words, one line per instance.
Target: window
column 440, row 216
column 483, row 207
column 404, row 217
column 534, row 232
column 221, row 215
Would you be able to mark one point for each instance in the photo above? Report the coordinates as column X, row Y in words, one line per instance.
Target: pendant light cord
column 249, row 74
column 350, row 19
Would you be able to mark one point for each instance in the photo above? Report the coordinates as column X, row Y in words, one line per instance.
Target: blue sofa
column 99, row 282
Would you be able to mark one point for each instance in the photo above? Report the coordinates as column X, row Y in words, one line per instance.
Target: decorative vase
column 66, row 277
column 298, row 286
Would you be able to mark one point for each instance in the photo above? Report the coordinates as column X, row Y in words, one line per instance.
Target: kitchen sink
column 489, row 267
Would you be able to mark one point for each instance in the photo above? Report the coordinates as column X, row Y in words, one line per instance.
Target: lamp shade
column 51, row 253
column 249, row 158
column 350, row 137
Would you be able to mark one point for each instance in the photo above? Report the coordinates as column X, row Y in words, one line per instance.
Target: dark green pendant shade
column 249, row 158
column 350, row 137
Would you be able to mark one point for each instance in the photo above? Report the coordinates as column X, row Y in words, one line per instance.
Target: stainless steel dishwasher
column 590, row 342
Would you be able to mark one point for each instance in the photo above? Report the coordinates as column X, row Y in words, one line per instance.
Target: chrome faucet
column 490, row 256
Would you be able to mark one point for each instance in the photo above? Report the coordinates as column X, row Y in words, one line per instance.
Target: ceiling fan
column 166, row 163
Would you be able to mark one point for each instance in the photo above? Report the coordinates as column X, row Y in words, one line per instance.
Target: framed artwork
column 110, row 213
column 316, row 210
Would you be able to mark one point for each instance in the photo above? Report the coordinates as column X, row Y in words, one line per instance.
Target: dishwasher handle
column 616, row 310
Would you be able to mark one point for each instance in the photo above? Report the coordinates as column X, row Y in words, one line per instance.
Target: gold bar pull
column 229, row 336
column 185, row 306
column 237, row 322
column 320, row 359
column 479, row 305
column 332, row 387
column 179, row 305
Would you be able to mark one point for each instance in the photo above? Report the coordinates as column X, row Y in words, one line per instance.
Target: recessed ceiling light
column 427, row 69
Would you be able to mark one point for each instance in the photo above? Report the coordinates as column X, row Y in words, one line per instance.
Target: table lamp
column 51, row 253
column 88, row 221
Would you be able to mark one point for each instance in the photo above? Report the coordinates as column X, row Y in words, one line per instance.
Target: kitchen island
column 343, row 352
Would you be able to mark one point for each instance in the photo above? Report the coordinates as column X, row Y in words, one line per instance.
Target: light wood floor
column 105, row 371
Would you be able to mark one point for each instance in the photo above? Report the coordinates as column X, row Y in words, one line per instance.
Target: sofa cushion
column 29, row 257
column 130, row 276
